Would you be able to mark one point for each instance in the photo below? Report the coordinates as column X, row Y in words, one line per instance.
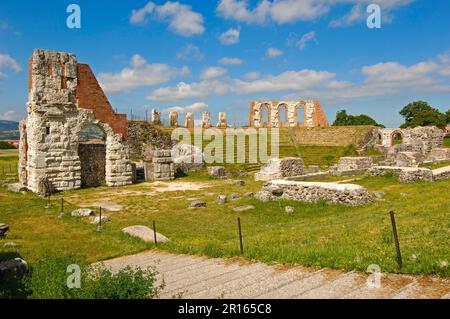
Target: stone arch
column 396, row 137
column 91, row 152
column 300, row 114
column 283, row 114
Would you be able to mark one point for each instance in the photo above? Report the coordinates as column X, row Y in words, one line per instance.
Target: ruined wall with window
column 279, row 114
column 64, row 97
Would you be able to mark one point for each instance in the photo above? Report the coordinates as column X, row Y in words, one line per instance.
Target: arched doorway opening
column 283, row 115
column 300, row 111
column 397, row 138
column 92, row 154
column 264, row 115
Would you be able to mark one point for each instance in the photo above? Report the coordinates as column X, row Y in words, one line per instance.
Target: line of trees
column 418, row 113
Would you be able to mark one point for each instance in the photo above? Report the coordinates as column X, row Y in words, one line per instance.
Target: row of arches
column 281, row 117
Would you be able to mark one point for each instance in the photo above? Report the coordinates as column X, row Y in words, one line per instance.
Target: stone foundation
column 162, row 167
column 313, row 192
column 404, row 174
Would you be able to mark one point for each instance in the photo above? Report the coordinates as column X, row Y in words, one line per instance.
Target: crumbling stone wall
column 63, row 98
column 156, row 117
column 278, row 168
column 313, row 192
column 162, row 167
column 145, row 138
column 313, row 114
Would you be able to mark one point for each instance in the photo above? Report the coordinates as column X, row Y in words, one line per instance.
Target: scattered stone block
column 289, row 209
column 145, row 233
column 16, row 187
column 3, row 230
column 197, row 204
column 234, row 197
column 96, row 219
column 218, row 172
column 379, row 195
column 249, row 194
column 17, row 264
column 82, row 212
column 278, row 168
column 221, row 199
column 408, row 159
column 243, row 208
column 11, row 245
column 238, row 183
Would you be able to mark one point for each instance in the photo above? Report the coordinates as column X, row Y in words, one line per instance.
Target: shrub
column 6, row 146
column 48, row 280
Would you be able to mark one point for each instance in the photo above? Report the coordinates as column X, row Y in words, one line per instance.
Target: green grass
column 8, row 166
column 447, row 142
column 436, row 166
column 317, row 234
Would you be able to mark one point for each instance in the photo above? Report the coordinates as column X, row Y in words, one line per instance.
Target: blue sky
column 219, row 55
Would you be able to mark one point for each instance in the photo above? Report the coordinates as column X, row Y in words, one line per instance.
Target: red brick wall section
column 91, row 96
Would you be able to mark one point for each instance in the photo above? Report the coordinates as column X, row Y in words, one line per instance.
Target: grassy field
column 316, row 234
column 447, row 142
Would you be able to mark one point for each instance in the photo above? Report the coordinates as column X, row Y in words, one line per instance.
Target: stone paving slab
column 200, row 277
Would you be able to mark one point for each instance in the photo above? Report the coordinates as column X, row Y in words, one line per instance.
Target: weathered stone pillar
column 173, row 118
column 222, row 120
column 206, row 119
column 189, row 123
column 156, row 117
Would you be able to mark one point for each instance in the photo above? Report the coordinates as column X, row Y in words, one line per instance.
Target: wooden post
column 154, row 233
column 397, row 243
column 241, row 245
column 62, row 206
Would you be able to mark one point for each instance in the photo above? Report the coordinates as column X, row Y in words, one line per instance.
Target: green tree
column 420, row 113
column 447, row 116
column 344, row 119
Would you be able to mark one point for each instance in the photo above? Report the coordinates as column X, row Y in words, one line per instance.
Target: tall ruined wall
column 49, row 146
column 312, row 116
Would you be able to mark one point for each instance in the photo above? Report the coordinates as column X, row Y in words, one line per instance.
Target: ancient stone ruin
column 206, row 119
column 313, row 192
column 222, row 120
column 64, row 98
column 286, row 114
column 189, row 123
column 156, row 117
column 173, row 118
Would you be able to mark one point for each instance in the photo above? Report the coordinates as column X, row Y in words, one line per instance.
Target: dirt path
column 199, row 277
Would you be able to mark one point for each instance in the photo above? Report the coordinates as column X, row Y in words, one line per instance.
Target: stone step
column 257, row 274
column 218, row 282
column 423, row 288
column 271, row 283
column 340, row 286
column 179, row 274
column 390, row 284
column 302, row 285
column 194, row 277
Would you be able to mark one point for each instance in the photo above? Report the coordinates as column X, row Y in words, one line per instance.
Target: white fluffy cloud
column 139, row 74
column 7, row 62
column 273, row 53
column 194, row 107
column 212, row 73
column 287, row 11
column 231, row 61
column 380, row 79
column 182, row 20
column 230, row 37
column 310, row 36
column 9, row 116
column 190, row 52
